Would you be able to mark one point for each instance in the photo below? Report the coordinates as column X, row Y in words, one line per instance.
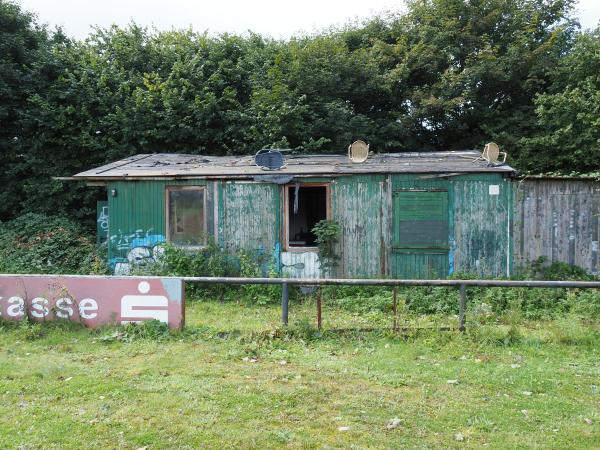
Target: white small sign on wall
column 494, row 189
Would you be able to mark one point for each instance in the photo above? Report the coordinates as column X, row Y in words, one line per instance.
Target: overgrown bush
column 360, row 299
column 35, row 243
column 29, row 329
column 327, row 233
column 214, row 261
column 210, row 261
column 584, row 303
column 260, row 294
column 540, row 269
column 151, row 330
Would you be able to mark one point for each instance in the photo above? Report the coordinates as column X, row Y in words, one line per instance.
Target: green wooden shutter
column 420, row 219
column 420, row 234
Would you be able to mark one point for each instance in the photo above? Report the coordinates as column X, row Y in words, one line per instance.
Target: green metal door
column 420, row 234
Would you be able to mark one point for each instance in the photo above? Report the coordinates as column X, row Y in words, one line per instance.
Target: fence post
column 395, row 308
column 284, row 303
column 462, row 307
column 319, row 307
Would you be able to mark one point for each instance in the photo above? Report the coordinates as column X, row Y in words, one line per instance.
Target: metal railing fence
column 286, row 282
column 462, row 284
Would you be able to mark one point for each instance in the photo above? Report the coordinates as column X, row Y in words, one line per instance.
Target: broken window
column 186, row 221
column 306, row 205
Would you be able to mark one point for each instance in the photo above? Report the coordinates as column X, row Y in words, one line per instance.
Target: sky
column 276, row 18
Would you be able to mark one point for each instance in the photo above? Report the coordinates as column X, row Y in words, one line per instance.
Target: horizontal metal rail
column 392, row 282
column 462, row 284
column 347, row 281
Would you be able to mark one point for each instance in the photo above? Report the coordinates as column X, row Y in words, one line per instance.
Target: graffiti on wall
column 101, row 221
column 134, row 249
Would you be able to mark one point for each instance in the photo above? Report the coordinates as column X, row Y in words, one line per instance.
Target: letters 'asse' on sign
column 93, row 301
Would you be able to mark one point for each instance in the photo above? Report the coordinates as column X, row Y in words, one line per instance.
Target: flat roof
column 169, row 165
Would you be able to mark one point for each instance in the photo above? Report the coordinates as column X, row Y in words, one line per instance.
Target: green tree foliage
column 465, row 72
column 568, row 116
column 447, row 74
column 22, row 44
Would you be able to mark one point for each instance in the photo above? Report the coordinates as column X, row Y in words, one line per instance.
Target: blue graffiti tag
column 134, row 249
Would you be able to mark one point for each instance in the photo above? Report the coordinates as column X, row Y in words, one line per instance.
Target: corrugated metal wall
column 137, row 216
column 557, row 219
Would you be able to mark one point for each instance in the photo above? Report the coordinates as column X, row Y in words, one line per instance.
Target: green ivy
column 36, row 243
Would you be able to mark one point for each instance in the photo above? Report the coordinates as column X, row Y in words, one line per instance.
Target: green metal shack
column 402, row 215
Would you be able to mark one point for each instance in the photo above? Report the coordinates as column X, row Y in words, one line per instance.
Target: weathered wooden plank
column 300, row 265
column 482, row 225
column 250, row 216
column 359, row 204
column 558, row 219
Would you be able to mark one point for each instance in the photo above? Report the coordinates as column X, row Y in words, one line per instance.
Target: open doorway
column 306, row 205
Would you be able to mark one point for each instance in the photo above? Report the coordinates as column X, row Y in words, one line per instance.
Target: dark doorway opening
column 307, row 205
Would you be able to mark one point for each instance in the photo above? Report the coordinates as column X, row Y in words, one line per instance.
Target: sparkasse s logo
column 135, row 308
column 92, row 301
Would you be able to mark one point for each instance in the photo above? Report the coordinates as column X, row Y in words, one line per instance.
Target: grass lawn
column 235, row 379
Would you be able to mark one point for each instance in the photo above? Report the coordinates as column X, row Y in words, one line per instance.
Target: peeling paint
column 479, row 223
column 300, row 265
column 248, row 215
column 561, row 225
column 360, row 207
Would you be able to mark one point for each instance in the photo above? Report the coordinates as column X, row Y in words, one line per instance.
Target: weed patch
column 151, row 330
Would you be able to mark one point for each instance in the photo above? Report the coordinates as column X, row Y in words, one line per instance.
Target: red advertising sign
column 93, row 301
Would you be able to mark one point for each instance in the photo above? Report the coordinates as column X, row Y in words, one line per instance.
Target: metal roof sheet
column 159, row 165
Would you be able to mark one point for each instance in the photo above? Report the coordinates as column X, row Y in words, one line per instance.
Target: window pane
column 186, row 217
